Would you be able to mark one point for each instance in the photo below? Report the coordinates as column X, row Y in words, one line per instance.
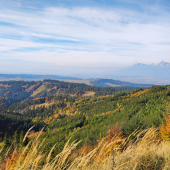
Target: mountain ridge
column 161, row 64
column 151, row 73
column 94, row 82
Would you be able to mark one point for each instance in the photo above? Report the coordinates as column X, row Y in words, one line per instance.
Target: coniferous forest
column 83, row 118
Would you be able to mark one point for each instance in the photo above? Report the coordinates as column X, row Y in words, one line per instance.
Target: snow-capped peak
column 164, row 64
column 140, row 64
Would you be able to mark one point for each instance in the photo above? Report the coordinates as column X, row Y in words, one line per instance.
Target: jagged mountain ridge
column 161, row 64
column 146, row 73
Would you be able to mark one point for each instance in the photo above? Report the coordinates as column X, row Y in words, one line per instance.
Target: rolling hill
column 86, row 113
column 94, row 82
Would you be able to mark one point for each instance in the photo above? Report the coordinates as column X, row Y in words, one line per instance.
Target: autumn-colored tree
column 10, row 161
column 114, row 132
column 165, row 130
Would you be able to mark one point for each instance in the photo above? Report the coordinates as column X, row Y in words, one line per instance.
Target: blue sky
column 73, row 37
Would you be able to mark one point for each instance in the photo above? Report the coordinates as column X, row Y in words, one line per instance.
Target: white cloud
column 103, row 36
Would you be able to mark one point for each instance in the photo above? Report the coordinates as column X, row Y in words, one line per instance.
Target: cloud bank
column 84, row 35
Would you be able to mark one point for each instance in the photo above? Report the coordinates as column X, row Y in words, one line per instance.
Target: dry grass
column 85, row 81
column 39, row 90
column 145, row 152
column 46, row 105
column 113, row 85
column 88, row 93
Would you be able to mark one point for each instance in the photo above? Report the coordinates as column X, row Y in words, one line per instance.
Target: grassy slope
column 146, row 152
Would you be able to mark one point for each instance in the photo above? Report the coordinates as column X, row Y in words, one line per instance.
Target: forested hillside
column 22, row 90
column 89, row 117
column 19, row 100
column 84, row 113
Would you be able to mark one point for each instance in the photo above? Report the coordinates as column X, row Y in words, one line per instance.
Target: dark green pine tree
column 21, row 139
column 16, row 138
column 6, row 140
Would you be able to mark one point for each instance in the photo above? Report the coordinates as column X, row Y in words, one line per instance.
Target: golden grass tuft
column 140, row 151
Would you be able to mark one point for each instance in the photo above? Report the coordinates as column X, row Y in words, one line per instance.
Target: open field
column 39, row 90
column 88, row 93
column 85, row 81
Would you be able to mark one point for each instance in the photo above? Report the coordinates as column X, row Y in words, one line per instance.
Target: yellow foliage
column 55, row 116
column 165, row 130
column 33, row 135
column 138, row 93
column 1, row 144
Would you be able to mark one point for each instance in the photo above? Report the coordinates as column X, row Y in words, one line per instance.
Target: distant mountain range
column 145, row 73
column 138, row 75
column 93, row 82
column 31, row 77
column 116, row 83
column 161, row 64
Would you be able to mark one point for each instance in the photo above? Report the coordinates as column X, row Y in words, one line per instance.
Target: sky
column 75, row 38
